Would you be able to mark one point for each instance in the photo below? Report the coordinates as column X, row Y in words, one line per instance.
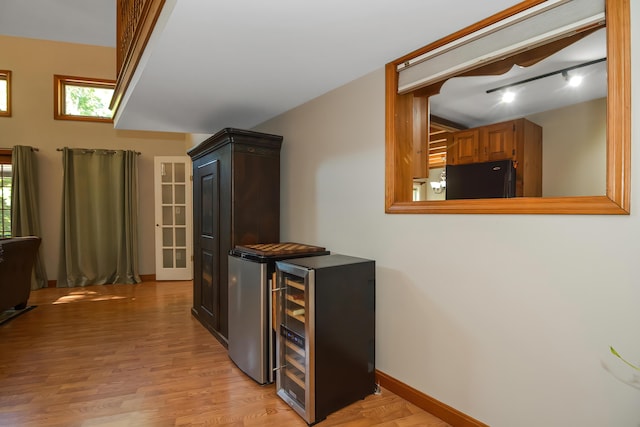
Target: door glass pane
column 180, row 193
column 181, row 258
column 167, row 194
column 292, row 331
column 181, row 236
column 167, row 172
column 167, row 236
column 180, row 216
column 180, row 175
column 167, row 215
column 167, row 258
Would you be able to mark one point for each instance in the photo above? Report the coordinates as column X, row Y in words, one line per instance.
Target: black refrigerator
column 487, row 180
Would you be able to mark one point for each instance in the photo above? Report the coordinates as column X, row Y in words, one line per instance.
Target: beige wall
column 33, row 64
column 574, row 150
column 511, row 317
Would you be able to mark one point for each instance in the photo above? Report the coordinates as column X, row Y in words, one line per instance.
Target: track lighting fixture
column 573, row 80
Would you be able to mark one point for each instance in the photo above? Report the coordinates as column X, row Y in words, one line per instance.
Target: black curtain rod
column 93, row 150
column 542, row 76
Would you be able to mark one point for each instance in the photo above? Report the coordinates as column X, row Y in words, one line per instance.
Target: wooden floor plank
column 132, row 355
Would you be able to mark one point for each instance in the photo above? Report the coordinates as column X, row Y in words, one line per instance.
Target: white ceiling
column 464, row 100
column 212, row 64
column 75, row 21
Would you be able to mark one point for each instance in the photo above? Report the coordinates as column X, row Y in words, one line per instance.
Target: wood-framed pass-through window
column 496, row 52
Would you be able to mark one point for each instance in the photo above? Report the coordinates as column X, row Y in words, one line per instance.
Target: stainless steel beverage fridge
column 326, row 338
column 251, row 332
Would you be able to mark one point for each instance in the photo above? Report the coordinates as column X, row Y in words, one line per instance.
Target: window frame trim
column 4, row 154
column 6, row 75
column 59, row 84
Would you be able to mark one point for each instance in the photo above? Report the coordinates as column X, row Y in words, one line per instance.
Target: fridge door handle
column 273, row 298
column 271, row 323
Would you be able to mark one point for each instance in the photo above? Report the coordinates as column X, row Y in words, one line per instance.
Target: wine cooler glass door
column 294, row 377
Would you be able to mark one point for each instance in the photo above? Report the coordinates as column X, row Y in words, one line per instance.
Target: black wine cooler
column 326, row 333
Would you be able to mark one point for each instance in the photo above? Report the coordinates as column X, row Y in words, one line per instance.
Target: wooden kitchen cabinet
column 236, row 201
column 464, row 147
column 519, row 140
column 483, row 144
column 499, row 141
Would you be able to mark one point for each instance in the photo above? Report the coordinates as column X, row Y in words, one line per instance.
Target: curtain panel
column 25, row 213
column 99, row 232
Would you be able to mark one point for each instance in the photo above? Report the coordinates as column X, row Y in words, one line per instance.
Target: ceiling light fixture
column 573, row 80
column 508, row 97
column 439, row 186
column 563, row 71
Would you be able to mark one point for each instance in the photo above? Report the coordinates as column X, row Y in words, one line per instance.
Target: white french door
column 173, row 207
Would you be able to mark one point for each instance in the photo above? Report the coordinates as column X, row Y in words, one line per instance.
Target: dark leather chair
column 17, row 257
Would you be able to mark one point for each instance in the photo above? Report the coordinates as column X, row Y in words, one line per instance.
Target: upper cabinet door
column 498, row 142
column 464, row 148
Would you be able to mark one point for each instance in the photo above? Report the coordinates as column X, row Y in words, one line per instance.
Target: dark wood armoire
column 236, row 201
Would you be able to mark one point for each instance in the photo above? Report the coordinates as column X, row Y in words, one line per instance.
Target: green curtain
column 99, row 233
column 25, row 215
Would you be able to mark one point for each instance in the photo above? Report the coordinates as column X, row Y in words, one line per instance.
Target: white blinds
column 541, row 24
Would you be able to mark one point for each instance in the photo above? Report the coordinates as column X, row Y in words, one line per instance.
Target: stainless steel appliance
column 251, row 277
column 326, row 340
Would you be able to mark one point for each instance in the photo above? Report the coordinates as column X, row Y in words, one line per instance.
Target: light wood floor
column 132, row 355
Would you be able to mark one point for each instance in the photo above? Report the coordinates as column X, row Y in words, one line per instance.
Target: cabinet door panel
column 207, row 291
column 499, row 142
column 207, row 283
column 464, row 148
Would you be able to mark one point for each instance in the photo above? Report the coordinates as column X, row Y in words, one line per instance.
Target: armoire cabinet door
column 207, row 283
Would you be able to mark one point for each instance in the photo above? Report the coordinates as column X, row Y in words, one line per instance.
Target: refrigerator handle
column 272, row 323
